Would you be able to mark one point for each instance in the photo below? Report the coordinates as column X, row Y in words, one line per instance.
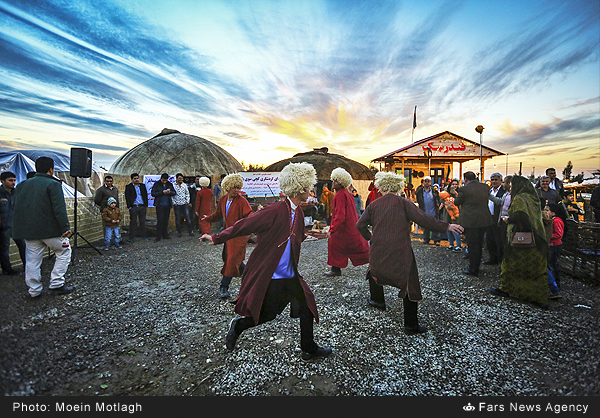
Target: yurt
column 324, row 163
column 174, row 152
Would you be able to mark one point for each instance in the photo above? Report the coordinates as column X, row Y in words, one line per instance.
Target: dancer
column 271, row 279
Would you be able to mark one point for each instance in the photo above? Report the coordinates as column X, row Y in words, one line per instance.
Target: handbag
column 523, row 240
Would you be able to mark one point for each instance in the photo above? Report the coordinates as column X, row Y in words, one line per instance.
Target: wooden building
column 435, row 155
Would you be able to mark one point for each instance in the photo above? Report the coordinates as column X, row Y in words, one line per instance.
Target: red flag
column 415, row 118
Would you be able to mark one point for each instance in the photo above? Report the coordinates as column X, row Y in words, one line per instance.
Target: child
column 111, row 216
column 574, row 209
column 555, row 213
column 452, row 214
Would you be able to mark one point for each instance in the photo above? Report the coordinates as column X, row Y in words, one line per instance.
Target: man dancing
column 345, row 242
column 231, row 208
column 392, row 261
column 271, row 279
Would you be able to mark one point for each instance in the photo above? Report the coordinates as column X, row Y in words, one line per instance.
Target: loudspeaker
column 81, row 162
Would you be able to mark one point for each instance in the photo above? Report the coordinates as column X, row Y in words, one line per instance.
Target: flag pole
column 412, row 138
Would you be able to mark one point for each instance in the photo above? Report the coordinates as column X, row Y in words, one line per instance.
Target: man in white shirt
column 181, row 205
column 493, row 233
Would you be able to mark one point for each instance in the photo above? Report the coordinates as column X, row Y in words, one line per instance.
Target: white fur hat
column 387, row 181
column 232, row 181
column 295, row 178
column 341, row 176
column 204, row 181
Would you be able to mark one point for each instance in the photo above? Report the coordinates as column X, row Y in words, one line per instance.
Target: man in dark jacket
column 7, row 203
column 493, row 234
column 162, row 191
column 41, row 220
column 106, row 191
column 136, row 198
column 428, row 200
column 474, row 217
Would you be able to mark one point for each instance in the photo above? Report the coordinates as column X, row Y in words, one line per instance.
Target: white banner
column 261, row 183
column 149, row 180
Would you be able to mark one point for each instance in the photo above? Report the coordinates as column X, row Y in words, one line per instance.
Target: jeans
column 35, row 256
column 452, row 238
column 182, row 212
column 553, row 256
column 5, row 249
column 552, row 283
column 108, row 233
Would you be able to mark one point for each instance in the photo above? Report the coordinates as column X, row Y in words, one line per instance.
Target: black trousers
column 162, row 221
column 475, row 243
column 493, row 241
column 5, row 235
column 280, row 293
column 137, row 217
column 410, row 307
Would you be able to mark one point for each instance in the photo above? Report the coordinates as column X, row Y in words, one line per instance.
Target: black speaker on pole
column 81, row 166
column 81, row 162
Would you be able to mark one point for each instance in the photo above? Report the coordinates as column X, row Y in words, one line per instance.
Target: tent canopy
column 22, row 162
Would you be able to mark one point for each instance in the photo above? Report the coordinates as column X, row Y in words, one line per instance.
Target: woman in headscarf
column 524, row 273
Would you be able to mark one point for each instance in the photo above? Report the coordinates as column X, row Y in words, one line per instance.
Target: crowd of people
column 521, row 225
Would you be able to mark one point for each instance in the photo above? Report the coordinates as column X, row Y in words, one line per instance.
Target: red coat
column 272, row 225
column 203, row 202
column 234, row 251
column 345, row 242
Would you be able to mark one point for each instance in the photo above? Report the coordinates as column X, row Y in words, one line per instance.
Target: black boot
column 411, row 323
column 224, row 292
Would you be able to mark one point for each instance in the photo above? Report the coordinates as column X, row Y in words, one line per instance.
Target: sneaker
column 450, row 247
column 105, row 247
column 556, row 295
column 321, row 352
column 119, row 246
column 457, row 250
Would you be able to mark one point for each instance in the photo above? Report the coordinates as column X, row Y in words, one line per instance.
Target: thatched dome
column 325, row 163
column 173, row 152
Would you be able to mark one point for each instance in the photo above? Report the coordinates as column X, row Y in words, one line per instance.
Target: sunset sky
column 268, row 79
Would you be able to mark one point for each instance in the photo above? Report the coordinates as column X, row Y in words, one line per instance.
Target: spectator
column 524, row 272
column 345, row 242
column 8, row 180
column 231, row 208
column 546, row 194
column 136, row 199
column 595, row 203
column 450, row 215
column 357, row 202
column 203, row 204
column 555, row 184
column 503, row 202
column 574, row 209
column 111, row 217
column 475, row 217
column 558, row 216
column 429, row 202
column 104, row 192
column 41, row 219
column 181, row 205
column 163, row 192
column 194, row 188
column 217, row 196
column 493, row 233
column 326, row 200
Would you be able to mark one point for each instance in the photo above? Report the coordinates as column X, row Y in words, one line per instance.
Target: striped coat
column 392, row 261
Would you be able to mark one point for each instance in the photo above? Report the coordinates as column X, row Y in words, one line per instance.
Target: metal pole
column 480, row 156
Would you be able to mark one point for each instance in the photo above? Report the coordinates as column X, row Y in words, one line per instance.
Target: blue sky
column 267, row 79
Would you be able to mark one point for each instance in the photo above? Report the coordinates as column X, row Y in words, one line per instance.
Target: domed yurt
column 174, row 152
column 324, row 163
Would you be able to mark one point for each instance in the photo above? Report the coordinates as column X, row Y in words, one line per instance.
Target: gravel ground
column 146, row 320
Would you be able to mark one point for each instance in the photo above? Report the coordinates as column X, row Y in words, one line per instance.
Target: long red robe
column 203, row 202
column 272, row 226
column 234, row 251
column 345, row 242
